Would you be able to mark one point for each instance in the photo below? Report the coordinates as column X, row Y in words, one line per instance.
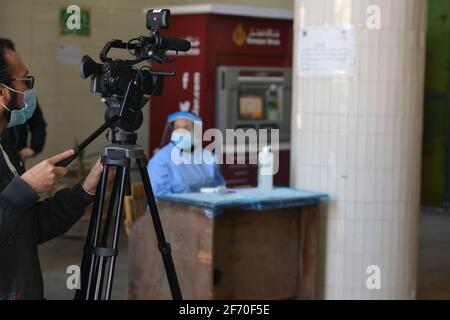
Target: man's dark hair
column 5, row 76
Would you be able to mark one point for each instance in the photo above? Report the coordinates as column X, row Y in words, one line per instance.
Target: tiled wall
column 72, row 112
column 359, row 140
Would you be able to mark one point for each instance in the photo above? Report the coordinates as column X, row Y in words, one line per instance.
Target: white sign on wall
column 326, row 51
column 70, row 54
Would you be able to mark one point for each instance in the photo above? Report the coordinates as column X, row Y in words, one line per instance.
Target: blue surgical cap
column 183, row 115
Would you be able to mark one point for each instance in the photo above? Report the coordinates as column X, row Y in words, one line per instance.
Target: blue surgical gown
column 168, row 176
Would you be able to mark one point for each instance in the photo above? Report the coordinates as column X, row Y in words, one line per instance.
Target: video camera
column 124, row 88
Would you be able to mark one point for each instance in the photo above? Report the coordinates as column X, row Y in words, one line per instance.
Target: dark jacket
column 17, row 137
column 25, row 223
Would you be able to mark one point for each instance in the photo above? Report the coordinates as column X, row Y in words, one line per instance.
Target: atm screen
column 251, row 106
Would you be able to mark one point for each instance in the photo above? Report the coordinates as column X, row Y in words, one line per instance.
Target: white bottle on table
column 265, row 168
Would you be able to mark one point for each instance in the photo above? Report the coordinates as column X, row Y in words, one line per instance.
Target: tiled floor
column 58, row 254
column 433, row 279
column 434, row 256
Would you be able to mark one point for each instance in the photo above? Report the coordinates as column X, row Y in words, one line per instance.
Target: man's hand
column 93, row 178
column 43, row 176
column 26, row 153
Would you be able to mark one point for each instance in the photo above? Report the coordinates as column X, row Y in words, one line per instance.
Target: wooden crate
column 240, row 254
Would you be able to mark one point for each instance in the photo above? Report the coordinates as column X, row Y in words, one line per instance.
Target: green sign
column 74, row 21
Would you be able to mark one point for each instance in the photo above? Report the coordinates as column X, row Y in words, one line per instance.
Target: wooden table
column 244, row 251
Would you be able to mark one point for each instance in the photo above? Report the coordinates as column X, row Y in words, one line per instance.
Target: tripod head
column 121, row 137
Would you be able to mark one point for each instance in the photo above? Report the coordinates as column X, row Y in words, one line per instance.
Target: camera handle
column 86, row 142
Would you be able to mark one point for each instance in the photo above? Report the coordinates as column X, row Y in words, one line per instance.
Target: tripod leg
column 163, row 246
column 98, row 286
column 118, row 223
column 112, row 201
column 109, row 215
column 87, row 250
column 97, row 215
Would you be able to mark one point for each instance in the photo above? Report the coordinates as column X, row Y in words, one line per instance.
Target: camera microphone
column 176, row 44
column 160, row 42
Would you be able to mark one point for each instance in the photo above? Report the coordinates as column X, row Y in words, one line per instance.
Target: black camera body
column 115, row 76
column 124, row 88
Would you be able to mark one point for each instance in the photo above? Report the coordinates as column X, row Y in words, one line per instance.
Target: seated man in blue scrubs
column 169, row 176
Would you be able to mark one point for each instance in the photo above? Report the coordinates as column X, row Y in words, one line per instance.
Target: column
column 358, row 138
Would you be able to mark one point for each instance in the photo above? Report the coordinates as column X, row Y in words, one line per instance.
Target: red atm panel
column 218, row 40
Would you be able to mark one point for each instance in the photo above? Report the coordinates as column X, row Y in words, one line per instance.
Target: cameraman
column 25, row 222
column 17, row 136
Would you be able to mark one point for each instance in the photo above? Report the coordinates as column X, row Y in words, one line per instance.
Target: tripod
column 99, row 254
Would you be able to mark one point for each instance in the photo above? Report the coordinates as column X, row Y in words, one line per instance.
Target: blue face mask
column 182, row 139
column 20, row 116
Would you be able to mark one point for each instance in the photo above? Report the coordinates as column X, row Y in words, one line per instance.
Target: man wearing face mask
column 17, row 136
column 168, row 175
column 26, row 222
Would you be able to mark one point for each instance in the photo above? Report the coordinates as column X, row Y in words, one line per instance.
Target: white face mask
column 183, row 139
column 20, row 116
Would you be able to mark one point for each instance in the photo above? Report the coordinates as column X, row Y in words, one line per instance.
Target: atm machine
column 237, row 75
column 254, row 98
